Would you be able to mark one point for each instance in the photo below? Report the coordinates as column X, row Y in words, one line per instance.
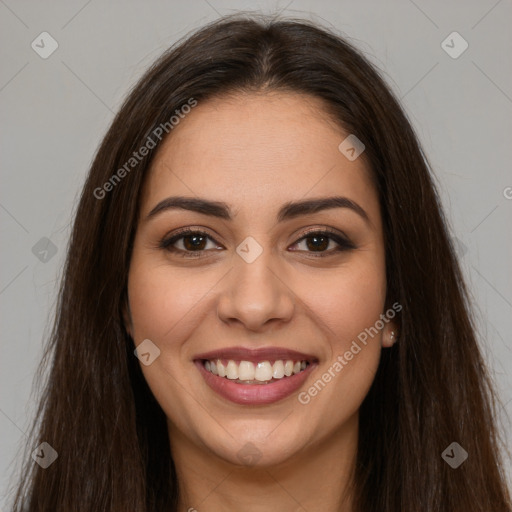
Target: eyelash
column 343, row 243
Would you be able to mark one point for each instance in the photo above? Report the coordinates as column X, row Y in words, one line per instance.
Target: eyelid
column 324, row 229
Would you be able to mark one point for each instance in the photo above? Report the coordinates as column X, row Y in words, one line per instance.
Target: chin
column 257, row 445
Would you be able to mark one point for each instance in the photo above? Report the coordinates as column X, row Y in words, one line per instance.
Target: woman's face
column 254, row 292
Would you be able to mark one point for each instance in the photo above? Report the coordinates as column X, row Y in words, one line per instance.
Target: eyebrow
column 289, row 210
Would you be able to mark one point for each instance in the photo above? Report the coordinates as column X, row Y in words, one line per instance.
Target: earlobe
column 390, row 335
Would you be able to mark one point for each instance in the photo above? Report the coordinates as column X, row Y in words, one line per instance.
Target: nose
column 256, row 295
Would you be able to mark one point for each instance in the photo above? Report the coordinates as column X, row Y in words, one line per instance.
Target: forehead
column 257, row 151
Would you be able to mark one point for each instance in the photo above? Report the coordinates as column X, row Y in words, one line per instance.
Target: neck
column 316, row 478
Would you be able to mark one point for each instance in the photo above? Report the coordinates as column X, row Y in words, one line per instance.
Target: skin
column 256, row 152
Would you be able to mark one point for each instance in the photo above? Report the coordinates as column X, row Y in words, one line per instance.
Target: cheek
column 346, row 302
column 361, row 301
column 162, row 300
column 164, row 309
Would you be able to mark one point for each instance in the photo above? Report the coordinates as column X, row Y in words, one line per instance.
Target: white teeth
column 263, row 371
column 232, row 370
column 247, row 372
column 278, row 370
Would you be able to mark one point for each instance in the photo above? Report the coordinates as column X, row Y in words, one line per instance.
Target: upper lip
column 256, row 354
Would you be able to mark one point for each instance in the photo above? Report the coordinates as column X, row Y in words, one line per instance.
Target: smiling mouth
column 247, row 372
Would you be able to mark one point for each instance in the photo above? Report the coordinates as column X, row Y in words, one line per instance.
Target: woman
column 261, row 306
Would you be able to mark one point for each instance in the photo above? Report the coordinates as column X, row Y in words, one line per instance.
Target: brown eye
column 317, row 242
column 192, row 241
column 320, row 241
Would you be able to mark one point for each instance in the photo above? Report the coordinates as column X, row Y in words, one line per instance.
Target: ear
column 390, row 334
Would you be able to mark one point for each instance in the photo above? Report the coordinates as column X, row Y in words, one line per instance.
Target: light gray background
column 54, row 113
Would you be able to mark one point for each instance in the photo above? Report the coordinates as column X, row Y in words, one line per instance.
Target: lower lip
column 254, row 394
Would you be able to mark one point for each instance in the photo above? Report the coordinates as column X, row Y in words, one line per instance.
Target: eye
column 321, row 240
column 194, row 242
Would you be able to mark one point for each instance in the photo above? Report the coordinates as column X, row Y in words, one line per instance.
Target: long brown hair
column 431, row 388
